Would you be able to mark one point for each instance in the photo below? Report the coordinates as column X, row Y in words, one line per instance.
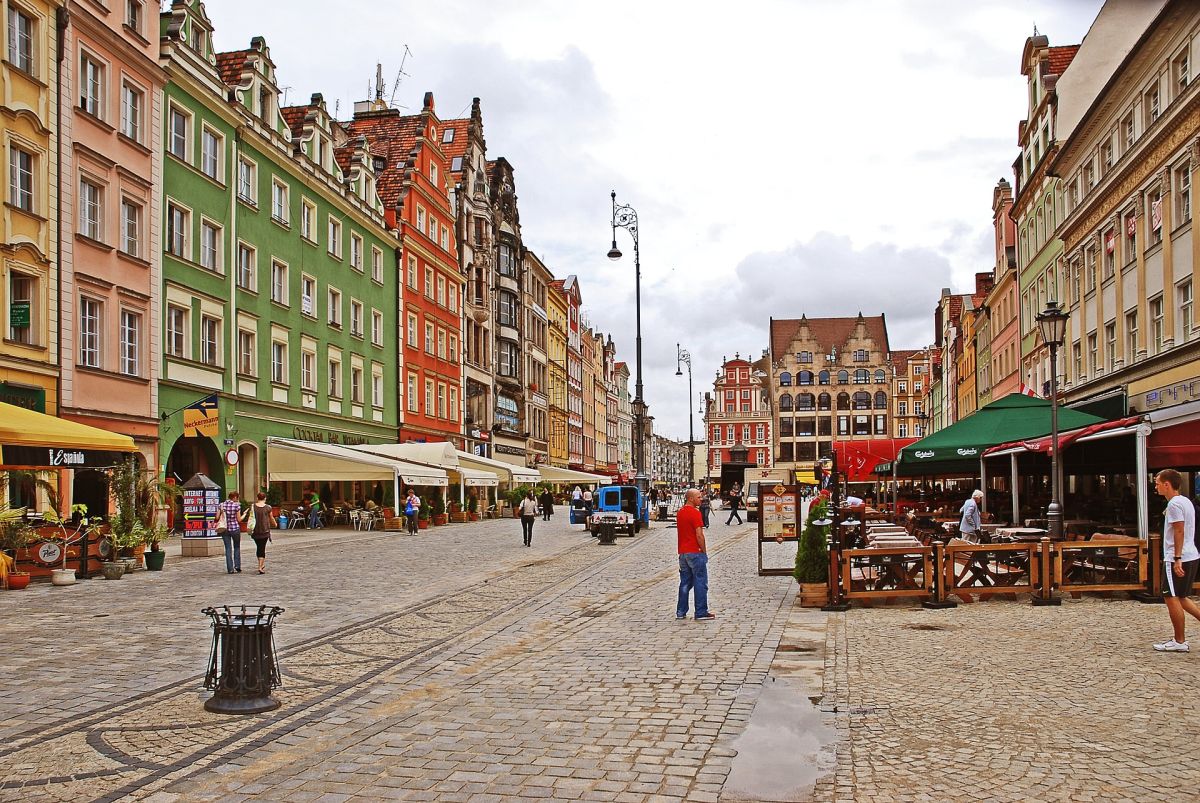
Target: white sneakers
column 1171, row 645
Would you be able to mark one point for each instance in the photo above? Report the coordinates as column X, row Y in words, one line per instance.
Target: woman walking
column 412, row 508
column 547, row 502
column 529, row 507
column 261, row 531
column 229, row 526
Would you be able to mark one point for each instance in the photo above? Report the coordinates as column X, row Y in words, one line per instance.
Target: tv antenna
column 400, row 75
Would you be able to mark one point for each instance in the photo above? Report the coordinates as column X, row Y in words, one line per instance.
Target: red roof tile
column 828, row 332
column 294, row 116
column 457, row 146
column 231, row 64
column 1060, row 58
column 392, row 136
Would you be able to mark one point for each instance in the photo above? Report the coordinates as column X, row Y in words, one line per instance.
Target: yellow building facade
column 556, row 346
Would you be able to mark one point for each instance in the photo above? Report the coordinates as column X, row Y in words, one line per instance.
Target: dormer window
column 448, row 135
column 379, row 163
column 197, row 39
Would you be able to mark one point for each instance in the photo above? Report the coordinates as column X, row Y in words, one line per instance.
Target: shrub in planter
column 472, row 508
column 812, row 557
column 438, row 508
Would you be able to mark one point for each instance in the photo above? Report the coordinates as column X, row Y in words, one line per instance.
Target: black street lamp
column 1052, row 323
column 684, row 357
column 625, row 217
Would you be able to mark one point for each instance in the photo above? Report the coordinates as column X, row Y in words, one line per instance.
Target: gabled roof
column 827, row 331
column 294, row 117
column 1060, row 58
column 230, row 65
column 392, row 136
column 900, row 358
column 457, row 146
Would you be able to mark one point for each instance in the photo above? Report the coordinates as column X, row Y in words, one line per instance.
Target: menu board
column 778, row 513
column 779, row 510
column 200, row 512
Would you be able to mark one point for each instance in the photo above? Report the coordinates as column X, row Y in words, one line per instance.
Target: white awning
column 514, row 474
column 556, row 474
column 439, row 455
column 291, row 460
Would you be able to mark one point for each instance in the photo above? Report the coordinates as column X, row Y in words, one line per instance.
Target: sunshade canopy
column 960, row 445
column 301, row 461
column 509, row 472
column 1121, row 426
column 556, row 474
column 439, row 455
column 30, row 438
column 857, row 459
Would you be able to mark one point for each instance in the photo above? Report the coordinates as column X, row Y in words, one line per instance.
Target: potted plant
column 139, row 495
column 438, row 506
column 423, row 518
column 15, row 534
column 812, row 557
column 472, row 508
column 515, row 496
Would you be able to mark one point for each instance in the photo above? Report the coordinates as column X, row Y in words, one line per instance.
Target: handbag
column 250, row 520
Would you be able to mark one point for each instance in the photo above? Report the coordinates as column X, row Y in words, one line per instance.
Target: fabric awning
column 30, row 438
column 556, row 474
column 1176, row 445
column 859, row 458
column 959, row 446
column 439, row 455
column 1121, row 426
column 301, row 461
column 508, row 472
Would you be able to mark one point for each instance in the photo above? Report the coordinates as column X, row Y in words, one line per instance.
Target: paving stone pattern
column 451, row 666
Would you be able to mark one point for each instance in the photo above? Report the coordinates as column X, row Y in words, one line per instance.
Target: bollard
column 836, row 603
column 242, row 669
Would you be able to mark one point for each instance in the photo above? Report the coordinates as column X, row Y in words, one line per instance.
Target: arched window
column 804, row 401
column 843, row 377
column 862, row 377
column 804, row 378
column 823, row 378
column 785, row 379
column 880, row 377
column 843, row 401
column 862, row 400
column 881, row 401
column 785, row 402
column 823, row 401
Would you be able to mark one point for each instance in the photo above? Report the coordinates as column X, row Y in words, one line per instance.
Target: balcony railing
column 760, row 415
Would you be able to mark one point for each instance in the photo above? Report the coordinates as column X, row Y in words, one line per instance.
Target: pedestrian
column 705, row 506
column 314, row 512
column 547, row 502
column 529, row 509
column 1180, row 554
column 229, row 526
column 587, row 499
column 412, row 509
column 577, row 494
column 260, row 521
column 693, row 558
column 735, row 502
column 971, row 523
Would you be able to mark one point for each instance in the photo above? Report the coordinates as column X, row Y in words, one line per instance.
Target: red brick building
column 414, row 184
column 737, row 417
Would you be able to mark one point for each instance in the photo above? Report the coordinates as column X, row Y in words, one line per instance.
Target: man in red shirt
column 693, row 558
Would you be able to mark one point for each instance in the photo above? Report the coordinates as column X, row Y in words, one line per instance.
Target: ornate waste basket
column 242, row 669
column 608, row 533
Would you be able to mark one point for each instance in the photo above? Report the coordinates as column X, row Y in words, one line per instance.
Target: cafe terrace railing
column 962, row 570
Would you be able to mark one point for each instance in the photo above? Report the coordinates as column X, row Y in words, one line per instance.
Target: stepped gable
column 827, row 331
column 392, row 136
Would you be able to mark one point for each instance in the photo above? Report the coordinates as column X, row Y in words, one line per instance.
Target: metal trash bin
column 608, row 533
column 242, row 668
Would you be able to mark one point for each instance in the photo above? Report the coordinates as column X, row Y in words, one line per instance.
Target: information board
column 778, row 528
column 200, row 512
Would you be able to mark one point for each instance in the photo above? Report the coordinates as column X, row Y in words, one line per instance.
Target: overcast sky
column 784, row 156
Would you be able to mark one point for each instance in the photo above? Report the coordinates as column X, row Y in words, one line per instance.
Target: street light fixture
column 684, row 357
column 1052, row 323
column 625, row 217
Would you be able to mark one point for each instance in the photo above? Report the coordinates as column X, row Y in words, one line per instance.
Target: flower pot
column 62, row 577
column 439, row 519
column 472, row 516
column 813, row 595
column 130, row 564
column 154, row 560
column 422, row 524
column 458, row 518
column 112, row 569
column 17, row 580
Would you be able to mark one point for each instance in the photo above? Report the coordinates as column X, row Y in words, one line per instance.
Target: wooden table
column 1020, row 533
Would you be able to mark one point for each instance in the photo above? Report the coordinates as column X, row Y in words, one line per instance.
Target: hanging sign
column 201, row 418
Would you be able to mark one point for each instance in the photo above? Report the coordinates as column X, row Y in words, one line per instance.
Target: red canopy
column 859, row 458
column 1174, row 446
column 1065, row 439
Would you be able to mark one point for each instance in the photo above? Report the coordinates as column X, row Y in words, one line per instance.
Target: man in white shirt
column 1180, row 557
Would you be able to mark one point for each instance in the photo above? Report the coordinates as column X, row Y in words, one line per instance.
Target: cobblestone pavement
column 453, row 666
column 1002, row 701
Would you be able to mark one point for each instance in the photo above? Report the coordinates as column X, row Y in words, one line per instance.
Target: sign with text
column 56, row 457
column 201, row 418
column 778, row 529
column 200, row 512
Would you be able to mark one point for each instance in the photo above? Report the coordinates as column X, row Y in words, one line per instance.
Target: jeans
column 704, row 511
column 233, row 550
column 314, row 520
column 693, row 574
column 527, row 529
column 411, row 523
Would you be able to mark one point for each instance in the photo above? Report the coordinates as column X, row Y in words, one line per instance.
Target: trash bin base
column 241, row 705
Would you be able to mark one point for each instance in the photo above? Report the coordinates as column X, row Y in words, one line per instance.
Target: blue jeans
column 704, row 511
column 693, row 574
column 233, row 550
column 314, row 520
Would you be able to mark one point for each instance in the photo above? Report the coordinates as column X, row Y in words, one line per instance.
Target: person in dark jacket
column 547, row 502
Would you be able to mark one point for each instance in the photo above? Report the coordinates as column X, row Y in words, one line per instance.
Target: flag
column 1028, row 391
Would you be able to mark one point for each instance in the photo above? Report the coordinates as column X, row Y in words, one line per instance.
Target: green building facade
column 280, row 291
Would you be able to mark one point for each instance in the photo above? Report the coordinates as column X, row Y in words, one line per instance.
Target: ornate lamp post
column 1052, row 323
column 684, row 357
column 625, row 217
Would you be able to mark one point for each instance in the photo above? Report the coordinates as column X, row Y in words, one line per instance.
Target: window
column 377, row 386
column 247, row 181
column 1077, row 360
column 176, row 331
column 178, row 224
column 429, row 281
column 131, row 228
column 1183, row 195
column 429, row 409
column 91, row 86
column 441, row 343
column 377, row 327
column 507, row 355
column 1150, row 105
column 507, row 265
column 843, row 424
column 279, row 283
column 1093, row 347
column 133, row 15
column 1130, row 237
column 279, row 201
column 210, row 246
column 20, row 39
column 356, row 252
column 843, row 377
column 89, row 210
column 20, row 178
column 1156, row 324
column 131, row 112
column 278, row 362
column 421, row 220
column 308, row 220
column 785, row 379
column 210, row 340
column 89, row 332
column 411, row 278
column 453, row 412
column 131, row 325
column 308, row 296
column 335, row 378
column 1181, row 71
column 210, row 154
column 860, row 355
column 1127, row 134
column 453, row 349
column 881, row 401
column 1110, row 253
column 246, row 361
column 903, row 431
column 356, row 318
column 308, row 370
column 1089, row 261
column 1131, row 336
column 441, row 290
column 508, row 309
column 335, row 307
column 335, row 237
column 247, row 261
column 902, row 408
column 1110, row 345
column 356, row 384
column 862, row 376
column 429, row 338
column 376, row 265
column 1183, row 297
column 178, row 125
column 412, row 329
column 823, row 401
column 412, row 392
column 456, row 163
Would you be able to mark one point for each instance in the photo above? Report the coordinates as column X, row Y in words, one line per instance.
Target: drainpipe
column 62, row 20
column 231, row 333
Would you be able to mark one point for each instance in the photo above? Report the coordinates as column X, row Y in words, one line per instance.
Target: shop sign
column 1167, row 396
column 513, row 450
column 54, row 457
column 30, row 398
column 325, row 436
column 201, row 418
column 200, row 512
column 18, row 314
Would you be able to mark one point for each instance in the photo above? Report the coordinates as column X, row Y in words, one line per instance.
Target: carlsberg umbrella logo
column 923, row 454
column 968, row 452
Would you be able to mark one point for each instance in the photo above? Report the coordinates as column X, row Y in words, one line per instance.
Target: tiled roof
column 458, row 146
column 392, row 136
column 900, row 358
column 230, row 65
column 1060, row 58
column 827, row 331
column 294, row 116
